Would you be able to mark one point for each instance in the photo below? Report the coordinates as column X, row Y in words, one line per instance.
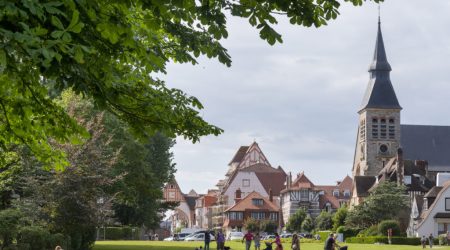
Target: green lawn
column 160, row 245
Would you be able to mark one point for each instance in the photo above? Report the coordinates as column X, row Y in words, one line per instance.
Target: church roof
column 429, row 143
column 380, row 92
column 363, row 184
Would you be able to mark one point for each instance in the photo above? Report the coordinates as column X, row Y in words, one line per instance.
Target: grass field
column 161, row 245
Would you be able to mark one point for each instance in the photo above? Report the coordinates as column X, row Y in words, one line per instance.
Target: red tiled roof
column 302, row 181
column 247, row 204
column 209, row 200
column 323, row 199
column 346, row 183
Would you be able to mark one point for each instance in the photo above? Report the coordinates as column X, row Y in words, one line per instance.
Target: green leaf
column 74, row 20
column 79, row 56
column 3, row 61
column 57, row 23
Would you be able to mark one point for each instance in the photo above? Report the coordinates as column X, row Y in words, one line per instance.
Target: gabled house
column 253, row 205
column 303, row 194
column 203, row 213
column 184, row 214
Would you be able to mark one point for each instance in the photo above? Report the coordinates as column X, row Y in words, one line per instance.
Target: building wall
column 289, row 207
column 430, row 224
column 254, row 185
column 368, row 158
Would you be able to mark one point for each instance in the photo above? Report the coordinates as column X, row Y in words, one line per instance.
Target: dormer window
column 336, row 193
column 346, row 193
column 257, row 202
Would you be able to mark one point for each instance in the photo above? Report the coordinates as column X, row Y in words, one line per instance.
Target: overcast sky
column 299, row 100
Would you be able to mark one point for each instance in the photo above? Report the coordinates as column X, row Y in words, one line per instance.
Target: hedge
column 324, row 235
column 347, row 231
column 384, row 239
column 119, row 233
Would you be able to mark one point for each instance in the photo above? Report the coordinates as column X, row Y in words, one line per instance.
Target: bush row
column 384, row 240
column 120, row 233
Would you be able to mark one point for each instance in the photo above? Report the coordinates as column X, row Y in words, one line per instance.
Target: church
column 386, row 148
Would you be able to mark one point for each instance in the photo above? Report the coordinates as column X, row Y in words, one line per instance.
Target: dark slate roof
column 442, row 215
column 379, row 92
column 363, row 184
column 239, row 154
column 190, row 200
column 426, row 142
column 433, row 192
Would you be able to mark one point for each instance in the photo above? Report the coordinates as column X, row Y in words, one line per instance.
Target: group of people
column 424, row 240
column 249, row 237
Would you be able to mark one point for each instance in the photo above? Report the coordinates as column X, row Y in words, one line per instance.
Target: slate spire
column 379, row 92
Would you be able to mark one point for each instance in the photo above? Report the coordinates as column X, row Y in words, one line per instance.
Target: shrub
column 36, row 237
column 386, row 224
column 384, row 240
column 347, row 231
column 58, row 240
column 371, row 231
column 121, row 233
column 442, row 239
column 324, row 235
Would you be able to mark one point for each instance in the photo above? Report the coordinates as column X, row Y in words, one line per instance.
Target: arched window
column 383, row 128
column 375, row 128
column 362, row 130
column 391, row 128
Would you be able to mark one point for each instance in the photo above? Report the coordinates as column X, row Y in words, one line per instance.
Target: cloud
column 299, row 100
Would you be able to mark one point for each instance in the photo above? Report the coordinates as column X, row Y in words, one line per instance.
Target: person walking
column 248, row 237
column 430, row 240
column 330, row 243
column 207, row 239
column 220, row 240
column 257, row 240
column 295, row 245
column 277, row 242
column 423, row 241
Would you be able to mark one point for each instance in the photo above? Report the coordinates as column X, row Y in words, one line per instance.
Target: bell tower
column 379, row 117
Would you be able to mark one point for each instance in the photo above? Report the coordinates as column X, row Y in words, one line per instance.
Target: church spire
column 379, row 92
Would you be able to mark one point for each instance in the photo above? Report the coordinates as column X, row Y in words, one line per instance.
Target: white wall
column 429, row 224
column 255, row 185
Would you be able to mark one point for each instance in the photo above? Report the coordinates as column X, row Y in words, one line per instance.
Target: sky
column 299, row 100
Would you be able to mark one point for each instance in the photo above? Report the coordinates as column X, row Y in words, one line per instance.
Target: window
column 235, row 215
column 383, row 128
column 257, row 202
column 273, row 216
column 172, row 195
column 407, row 180
column 347, row 193
column 258, row 215
column 171, row 186
column 304, row 195
column 375, row 128
column 336, row 193
column 447, row 204
column 246, row 182
column 391, row 128
column 362, row 130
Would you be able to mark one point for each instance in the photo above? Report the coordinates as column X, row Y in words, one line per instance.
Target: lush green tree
column 308, row 224
column 9, row 225
column 387, row 201
column 324, row 221
column 268, row 226
column 295, row 221
column 112, row 52
column 385, row 225
column 339, row 217
column 251, row 225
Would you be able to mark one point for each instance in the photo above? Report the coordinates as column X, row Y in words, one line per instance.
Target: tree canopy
column 113, row 52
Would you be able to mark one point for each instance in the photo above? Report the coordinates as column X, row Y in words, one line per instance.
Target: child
column 256, row 239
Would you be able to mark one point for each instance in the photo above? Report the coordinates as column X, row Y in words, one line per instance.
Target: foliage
column 251, row 225
column 308, row 224
column 9, row 225
column 370, row 231
column 268, row 226
column 339, row 217
column 112, row 52
column 36, row 237
column 295, row 221
column 442, row 239
column 384, row 240
column 347, row 231
column 324, row 235
column 324, row 221
column 386, row 224
column 120, row 233
column 386, row 201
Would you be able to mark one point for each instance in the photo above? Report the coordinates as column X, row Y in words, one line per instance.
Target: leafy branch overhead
column 111, row 51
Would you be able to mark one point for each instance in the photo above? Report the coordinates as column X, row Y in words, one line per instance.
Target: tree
column 324, row 221
column 308, row 224
column 112, row 51
column 268, row 226
column 387, row 201
column 339, row 217
column 251, row 225
column 9, row 225
column 295, row 221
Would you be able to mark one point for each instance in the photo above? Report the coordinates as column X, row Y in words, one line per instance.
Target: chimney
column 237, row 196
column 270, row 195
column 400, row 167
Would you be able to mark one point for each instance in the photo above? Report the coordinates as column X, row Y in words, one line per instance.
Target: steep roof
column 363, row 184
column 346, row 183
column 247, row 204
column 434, row 191
column 426, row 142
column 380, row 92
column 302, row 181
column 239, row 154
